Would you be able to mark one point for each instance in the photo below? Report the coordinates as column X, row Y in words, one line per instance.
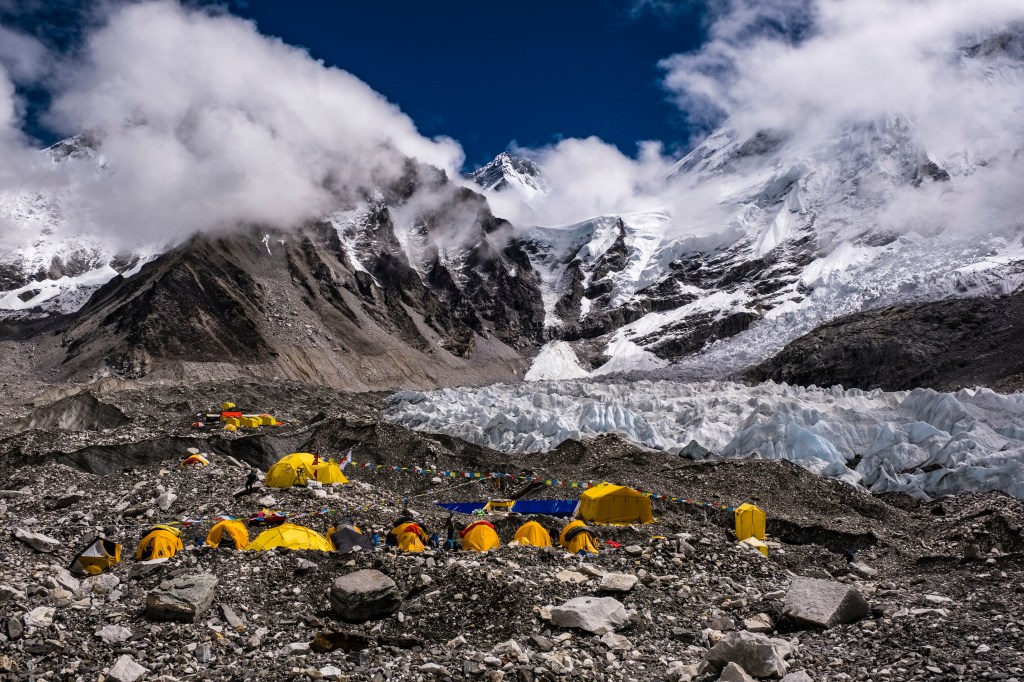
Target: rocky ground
column 942, row 580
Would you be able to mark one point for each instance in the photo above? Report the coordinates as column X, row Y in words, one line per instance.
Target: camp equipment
column 533, row 534
column 290, row 536
column 160, row 541
column 194, row 460
column 576, row 537
column 230, row 532
column 479, row 536
column 750, row 522
column 99, row 555
column 299, row 467
column 614, row 504
column 525, row 507
column 266, row 517
column 347, row 539
column 760, row 546
column 409, row 537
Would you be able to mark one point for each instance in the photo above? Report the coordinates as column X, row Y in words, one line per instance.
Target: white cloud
column 207, row 123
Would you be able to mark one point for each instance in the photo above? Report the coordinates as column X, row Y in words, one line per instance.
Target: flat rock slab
column 823, row 603
column 593, row 614
column 181, row 599
column 753, row 652
column 125, row 669
column 617, row 582
column 37, row 541
column 364, row 595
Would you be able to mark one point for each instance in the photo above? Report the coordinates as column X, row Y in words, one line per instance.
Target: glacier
column 921, row 442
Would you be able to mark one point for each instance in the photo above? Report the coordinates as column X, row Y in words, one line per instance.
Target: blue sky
column 489, row 74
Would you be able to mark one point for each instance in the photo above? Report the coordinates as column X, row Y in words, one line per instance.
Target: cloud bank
column 205, row 123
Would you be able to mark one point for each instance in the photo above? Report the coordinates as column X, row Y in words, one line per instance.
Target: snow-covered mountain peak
column 511, row 172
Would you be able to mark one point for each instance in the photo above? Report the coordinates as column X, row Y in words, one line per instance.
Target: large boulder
column 751, row 651
column 364, row 595
column 823, row 603
column 182, row 599
column 593, row 614
column 37, row 541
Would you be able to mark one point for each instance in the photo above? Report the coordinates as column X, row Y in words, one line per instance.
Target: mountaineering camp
column 573, row 526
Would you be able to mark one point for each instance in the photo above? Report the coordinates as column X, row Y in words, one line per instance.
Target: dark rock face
column 944, row 345
column 316, row 306
column 80, row 412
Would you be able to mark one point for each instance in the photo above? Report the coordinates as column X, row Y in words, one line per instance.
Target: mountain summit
column 511, row 172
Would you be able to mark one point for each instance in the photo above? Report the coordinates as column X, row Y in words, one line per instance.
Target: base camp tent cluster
column 300, row 467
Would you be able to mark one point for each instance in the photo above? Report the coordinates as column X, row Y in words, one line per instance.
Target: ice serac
column 922, row 442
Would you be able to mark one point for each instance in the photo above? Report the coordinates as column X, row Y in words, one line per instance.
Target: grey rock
column 823, row 603
column 593, row 614
column 305, row 566
column 15, row 627
column 616, row 642
column 104, row 583
column 435, row 669
column 165, row 500
column 40, row 617
column 798, row 676
column 13, row 494
column 542, row 642
column 617, row 582
column 734, row 673
column 721, row 622
column 181, row 599
column 364, row 595
column 62, row 578
column 114, row 634
column 125, row 669
column 231, row 617
column 753, row 652
column 8, row 592
column 141, row 569
column 67, row 500
column 37, row 541
column 204, row 652
column 762, row 623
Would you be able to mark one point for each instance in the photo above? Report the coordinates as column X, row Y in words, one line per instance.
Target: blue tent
column 549, row 507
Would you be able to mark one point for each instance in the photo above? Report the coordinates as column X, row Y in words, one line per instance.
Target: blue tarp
column 549, row 507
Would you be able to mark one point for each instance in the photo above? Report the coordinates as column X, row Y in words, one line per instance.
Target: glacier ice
column 921, row 442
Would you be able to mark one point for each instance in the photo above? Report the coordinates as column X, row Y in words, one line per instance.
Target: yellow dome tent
column 576, row 538
column 290, row 536
column 99, row 555
column 614, row 504
column 479, row 536
column 533, row 534
column 299, row 467
column 236, row 531
column 750, row 521
column 194, row 460
column 161, row 541
column 409, row 537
